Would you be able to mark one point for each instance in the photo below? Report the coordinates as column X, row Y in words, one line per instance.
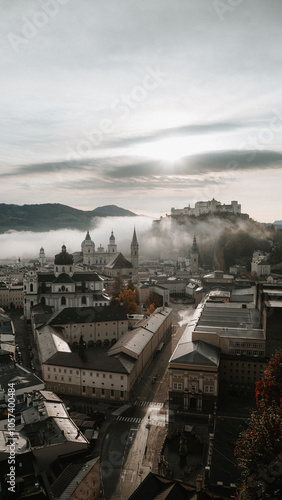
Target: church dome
column 88, row 241
column 63, row 258
column 112, row 238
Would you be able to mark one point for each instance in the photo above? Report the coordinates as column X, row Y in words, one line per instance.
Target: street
column 134, row 440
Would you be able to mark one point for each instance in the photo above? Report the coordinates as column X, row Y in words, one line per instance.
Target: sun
column 170, row 149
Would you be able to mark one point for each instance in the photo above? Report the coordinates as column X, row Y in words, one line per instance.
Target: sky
column 146, row 104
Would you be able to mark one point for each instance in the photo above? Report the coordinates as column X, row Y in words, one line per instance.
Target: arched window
column 63, row 288
column 83, row 300
column 63, row 269
column 31, row 287
column 43, row 300
column 63, row 301
column 56, row 269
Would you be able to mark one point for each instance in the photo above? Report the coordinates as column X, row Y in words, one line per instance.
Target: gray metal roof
column 196, row 353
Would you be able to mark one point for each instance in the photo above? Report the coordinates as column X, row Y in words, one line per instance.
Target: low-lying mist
column 167, row 238
column 26, row 244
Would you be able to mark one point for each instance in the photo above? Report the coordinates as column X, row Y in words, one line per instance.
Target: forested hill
column 52, row 216
column 224, row 240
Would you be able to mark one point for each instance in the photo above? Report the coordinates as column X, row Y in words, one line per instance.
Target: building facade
column 64, row 287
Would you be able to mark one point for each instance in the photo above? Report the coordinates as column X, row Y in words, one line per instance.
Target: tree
column 269, row 388
column 130, row 285
column 128, row 297
column 155, row 298
column 151, row 309
column 117, row 287
column 258, row 449
column 258, row 455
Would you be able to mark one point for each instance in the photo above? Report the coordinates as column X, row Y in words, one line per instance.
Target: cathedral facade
column 63, row 287
column 110, row 260
column 99, row 257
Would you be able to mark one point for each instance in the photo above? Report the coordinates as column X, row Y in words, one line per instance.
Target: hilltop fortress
column 207, row 207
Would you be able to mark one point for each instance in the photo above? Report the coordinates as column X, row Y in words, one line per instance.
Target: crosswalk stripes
column 134, row 420
column 148, row 403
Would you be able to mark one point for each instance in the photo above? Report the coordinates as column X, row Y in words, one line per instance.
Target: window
column 83, row 388
column 174, row 385
column 93, row 390
column 112, row 392
column 97, row 375
column 69, row 379
column 211, row 388
column 121, row 377
column 63, row 301
column 110, row 376
column 103, row 392
column 104, row 376
column 121, row 394
column 206, row 388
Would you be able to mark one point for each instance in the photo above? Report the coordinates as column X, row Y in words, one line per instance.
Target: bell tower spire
column 134, row 251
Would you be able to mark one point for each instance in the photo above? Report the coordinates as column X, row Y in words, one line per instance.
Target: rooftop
column 88, row 315
column 196, row 353
column 67, row 482
column 93, row 359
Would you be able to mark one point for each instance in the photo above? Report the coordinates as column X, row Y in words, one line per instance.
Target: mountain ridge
column 52, row 216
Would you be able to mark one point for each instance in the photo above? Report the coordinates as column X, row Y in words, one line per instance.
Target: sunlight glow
column 170, row 149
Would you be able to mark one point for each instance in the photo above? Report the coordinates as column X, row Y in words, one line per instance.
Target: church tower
column 112, row 247
column 194, row 262
column 42, row 257
column 88, row 250
column 134, row 251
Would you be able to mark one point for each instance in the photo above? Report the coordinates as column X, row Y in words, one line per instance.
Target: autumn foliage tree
column 151, row 309
column 269, row 388
column 259, row 448
column 155, row 298
column 128, row 299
